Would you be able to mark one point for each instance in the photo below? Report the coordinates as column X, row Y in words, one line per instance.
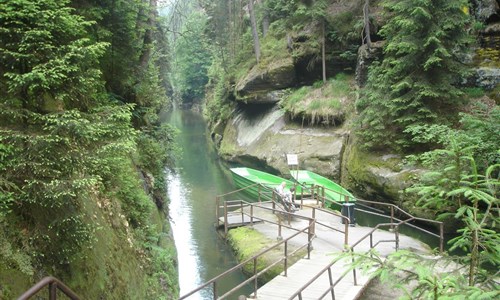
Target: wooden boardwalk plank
column 282, row 287
column 326, row 243
column 235, row 220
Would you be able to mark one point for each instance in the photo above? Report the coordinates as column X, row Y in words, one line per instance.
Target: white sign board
column 292, row 159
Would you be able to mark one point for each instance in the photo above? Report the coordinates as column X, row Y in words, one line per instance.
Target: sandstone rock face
column 487, row 78
column 264, row 141
column 485, row 9
column 261, row 85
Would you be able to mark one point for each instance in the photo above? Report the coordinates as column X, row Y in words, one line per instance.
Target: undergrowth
column 321, row 103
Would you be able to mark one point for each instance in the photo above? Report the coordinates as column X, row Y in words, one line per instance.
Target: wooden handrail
column 319, row 194
column 253, row 258
column 53, row 285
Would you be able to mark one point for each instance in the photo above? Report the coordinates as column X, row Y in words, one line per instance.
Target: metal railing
column 309, row 230
column 392, row 226
column 392, row 209
column 398, row 217
column 53, row 285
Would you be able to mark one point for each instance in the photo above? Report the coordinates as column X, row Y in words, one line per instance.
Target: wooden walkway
column 327, row 244
column 283, row 287
column 235, row 219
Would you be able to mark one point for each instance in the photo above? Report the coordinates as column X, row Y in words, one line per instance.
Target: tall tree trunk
column 323, row 50
column 366, row 17
column 148, row 34
column 265, row 23
column 256, row 43
column 265, row 18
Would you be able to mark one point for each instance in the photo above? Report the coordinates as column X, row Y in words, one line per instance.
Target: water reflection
column 192, row 190
column 180, row 213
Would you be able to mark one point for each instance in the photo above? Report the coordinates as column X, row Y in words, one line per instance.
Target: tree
column 461, row 184
column 417, row 79
column 255, row 32
column 192, row 57
column 456, row 188
column 366, row 23
column 58, row 130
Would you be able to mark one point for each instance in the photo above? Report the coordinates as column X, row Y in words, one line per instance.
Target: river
column 192, row 190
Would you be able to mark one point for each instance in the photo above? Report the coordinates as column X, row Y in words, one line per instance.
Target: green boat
column 333, row 191
column 245, row 177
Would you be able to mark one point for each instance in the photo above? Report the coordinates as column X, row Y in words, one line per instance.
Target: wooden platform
column 234, row 219
column 301, row 272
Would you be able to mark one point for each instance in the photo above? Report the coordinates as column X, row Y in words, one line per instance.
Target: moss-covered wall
column 121, row 263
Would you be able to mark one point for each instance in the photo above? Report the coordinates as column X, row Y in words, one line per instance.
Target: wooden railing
column 396, row 214
column 397, row 218
column 393, row 226
column 53, row 284
column 309, row 230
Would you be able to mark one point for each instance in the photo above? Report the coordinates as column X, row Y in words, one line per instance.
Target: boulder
column 485, row 9
column 487, row 78
column 259, row 83
column 380, row 177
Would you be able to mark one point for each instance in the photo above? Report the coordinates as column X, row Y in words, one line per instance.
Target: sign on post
column 292, row 159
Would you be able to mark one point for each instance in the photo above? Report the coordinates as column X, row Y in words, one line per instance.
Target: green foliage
column 416, row 81
column 47, row 53
column 326, row 103
column 66, row 146
column 462, row 183
column 150, row 94
column 192, row 60
column 478, row 133
column 54, row 170
column 474, row 92
column 12, row 256
column 422, row 278
column 217, row 106
column 456, row 187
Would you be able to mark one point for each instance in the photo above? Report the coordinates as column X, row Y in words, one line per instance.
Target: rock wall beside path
column 262, row 140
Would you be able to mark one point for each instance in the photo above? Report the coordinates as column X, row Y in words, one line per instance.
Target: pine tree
column 60, row 137
column 418, row 77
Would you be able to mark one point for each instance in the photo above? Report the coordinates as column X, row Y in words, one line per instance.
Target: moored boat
column 333, row 191
column 244, row 177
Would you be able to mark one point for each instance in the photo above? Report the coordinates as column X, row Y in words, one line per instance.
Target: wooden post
column 397, row 237
column 354, row 270
column 255, row 286
column 251, row 214
column 217, row 200
column 441, row 238
column 392, row 217
column 53, row 291
column 279, row 229
column 286, row 259
column 331, row 282
column 242, row 214
column 225, row 219
column 346, row 234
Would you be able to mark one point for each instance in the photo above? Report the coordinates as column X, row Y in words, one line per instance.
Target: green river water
column 192, row 190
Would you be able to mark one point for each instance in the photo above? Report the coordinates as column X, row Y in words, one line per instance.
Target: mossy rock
column 374, row 177
column 247, row 242
column 262, row 79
